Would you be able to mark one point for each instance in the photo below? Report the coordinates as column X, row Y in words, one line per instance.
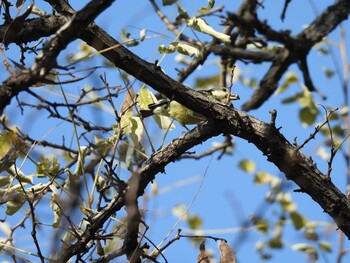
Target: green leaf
column 289, row 79
column 54, row 204
column 250, row 82
column 14, row 205
column 208, row 7
column 182, row 13
column 260, row 224
column 308, row 115
column 126, row 111
column 20, row 176
column 293, row 98
column 125, row 122
column 168, row 2
column 262, row 178
column 126, row 40
column 166, row 50
column 194, row 221
column 48, row 166
column 10, row 147
column 247, row 166
column 205, row 82
column 79, row 170
column 298, row 220
column 325, row 246
column 200, row 25
column 275, row 242
column 311, row 234
column 286, row 202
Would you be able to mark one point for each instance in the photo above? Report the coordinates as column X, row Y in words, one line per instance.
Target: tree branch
column 46, row 60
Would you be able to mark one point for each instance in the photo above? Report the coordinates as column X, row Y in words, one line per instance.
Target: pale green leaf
column 306, row 100
column 188, row 50
column 5, row 228
column 308, row 249
column 325, row 246
column 179, row 210
column 166, row 50
column 286, row 202
column 20, row 176
column 323, row 153
column 126, row 111
column 311, row 234
column 247, row 166
column 180, row 47
column 200, row 25
column 143, row 34
column 250, row 82
column 144, row 98
column 79, row 169
column 136, row 129
column 302, row 247
column 125, row 122
column 14, row 205
column 55, row 200
column 262, row 178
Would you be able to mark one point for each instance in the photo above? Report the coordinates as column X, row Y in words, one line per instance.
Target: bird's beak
column 234, row 97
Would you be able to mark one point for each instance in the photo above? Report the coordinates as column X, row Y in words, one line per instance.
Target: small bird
column 182, row 114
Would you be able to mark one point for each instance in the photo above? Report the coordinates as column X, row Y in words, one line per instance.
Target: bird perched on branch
column 182, row 114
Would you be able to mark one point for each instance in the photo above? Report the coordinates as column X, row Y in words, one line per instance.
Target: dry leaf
column 202, row 257
column 128, row 100
column 226, row 253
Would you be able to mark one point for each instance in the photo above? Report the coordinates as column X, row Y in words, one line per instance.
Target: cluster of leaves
column 286, row 214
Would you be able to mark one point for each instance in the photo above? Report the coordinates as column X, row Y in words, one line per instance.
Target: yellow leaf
column 247, row 165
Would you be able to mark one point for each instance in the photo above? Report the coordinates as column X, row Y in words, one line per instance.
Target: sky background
column 227, row 196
